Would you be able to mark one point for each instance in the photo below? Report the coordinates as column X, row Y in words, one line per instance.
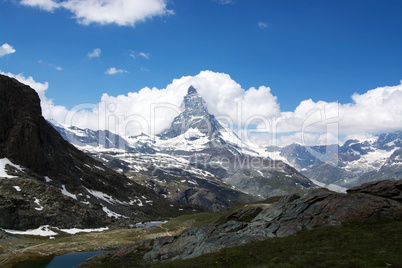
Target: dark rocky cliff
column 58, row 184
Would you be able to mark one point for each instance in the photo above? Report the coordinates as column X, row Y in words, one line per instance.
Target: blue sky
column 316, row 49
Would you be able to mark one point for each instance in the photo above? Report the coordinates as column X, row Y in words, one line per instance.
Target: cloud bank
column 6, row 49
column 120, row 12
column 254, row 113
column 376, row 110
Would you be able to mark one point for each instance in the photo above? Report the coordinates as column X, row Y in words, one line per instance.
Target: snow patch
column 105, row 197
column 37, row 202
column 67, row 193
column 17, row 188
column 112, row 213
column 43, row 230
column 76, row 230
column 3, row 171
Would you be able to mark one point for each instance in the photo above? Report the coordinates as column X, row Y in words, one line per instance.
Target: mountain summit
column 192, row 91
column 194, row 122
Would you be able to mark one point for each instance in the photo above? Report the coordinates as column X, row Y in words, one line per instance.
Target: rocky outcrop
column 386, row 189
column 288, row 216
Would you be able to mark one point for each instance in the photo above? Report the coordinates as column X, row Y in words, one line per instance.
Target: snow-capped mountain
column 353, row 163
column 197, row 160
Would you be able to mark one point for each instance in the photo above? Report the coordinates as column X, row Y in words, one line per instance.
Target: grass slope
column 372, row 243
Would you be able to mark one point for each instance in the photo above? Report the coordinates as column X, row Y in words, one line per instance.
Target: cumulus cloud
column 95, row 53
column 374, row 111
column 6, row 49
column 254, row 113
column 113, row 70
column 120, row 12
column 153, row 110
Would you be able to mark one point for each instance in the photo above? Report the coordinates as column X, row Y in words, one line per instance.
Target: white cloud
column 120, row 12
column 224, row 97
column 6, row 49
column 113, row 70
column 152, row 111
column 48, row 5
column 377, row 110
column 58, row 68
column 144, row 55
column 134, row 54
column 95, row 53
column 262, row 25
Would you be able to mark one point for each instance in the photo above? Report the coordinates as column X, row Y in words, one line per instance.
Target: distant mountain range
column 198, row 158
column 353, row 163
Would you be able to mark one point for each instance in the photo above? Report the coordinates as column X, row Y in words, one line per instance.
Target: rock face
column 288, row 216
column 51, row 182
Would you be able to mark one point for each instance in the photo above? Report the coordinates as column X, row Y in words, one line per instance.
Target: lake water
column 63, row 261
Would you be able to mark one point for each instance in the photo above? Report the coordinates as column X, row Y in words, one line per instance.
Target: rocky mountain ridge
column 45, row 180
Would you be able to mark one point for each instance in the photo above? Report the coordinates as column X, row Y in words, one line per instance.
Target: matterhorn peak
column 192, row 91
column 195, row 116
